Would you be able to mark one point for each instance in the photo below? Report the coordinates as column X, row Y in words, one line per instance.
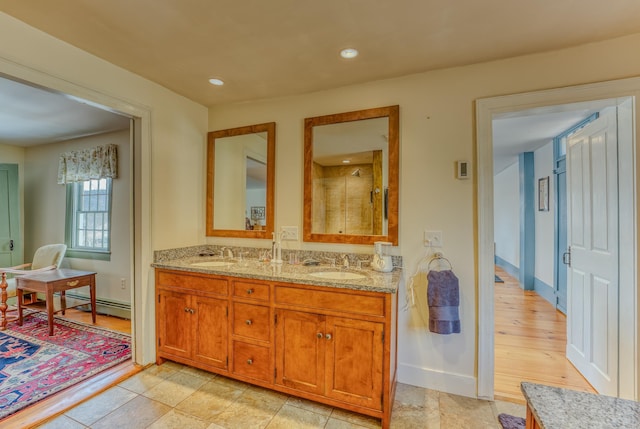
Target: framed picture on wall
column 257, row 213
column 543, row 194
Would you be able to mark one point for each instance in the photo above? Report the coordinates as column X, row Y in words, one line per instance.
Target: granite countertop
column 557, row 408
column 252, row 268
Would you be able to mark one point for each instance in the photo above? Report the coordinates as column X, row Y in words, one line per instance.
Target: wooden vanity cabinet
column 337, row 357
column 331, row 345
column 191, row 319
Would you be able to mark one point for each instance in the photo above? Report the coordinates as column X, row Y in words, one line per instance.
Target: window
column 88, row 232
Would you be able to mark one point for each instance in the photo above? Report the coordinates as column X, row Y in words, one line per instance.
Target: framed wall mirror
column 240, row 181
column 351, row 169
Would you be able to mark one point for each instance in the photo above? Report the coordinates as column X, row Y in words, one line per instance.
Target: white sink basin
column 338, row 275
column 213, row 264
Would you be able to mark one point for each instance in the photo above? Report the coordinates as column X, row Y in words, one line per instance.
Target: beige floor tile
column 305, row 404
column 293, row 417
column 341, row 424
column 408, row 416
column 254, row 409
column 518, row 410
column 210, row 400
column 355, row 418
column 150, row 377
column 138, row 413
column 458, row 421
column 177, row 420
column 416, row 396
column 175, row 389
column 198, row 372
column 476, row 410
column 62, row 422
column 96, row 408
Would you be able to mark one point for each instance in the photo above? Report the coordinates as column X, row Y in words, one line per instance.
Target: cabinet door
column 210, row 331
column 174, row 323
column 354, row 357
column 300, row 351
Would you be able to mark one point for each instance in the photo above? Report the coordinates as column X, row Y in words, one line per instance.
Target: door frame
column 486, row 109
column 15, row 203
column 142, row 319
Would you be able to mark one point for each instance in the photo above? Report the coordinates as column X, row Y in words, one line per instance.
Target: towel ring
column 439, row 257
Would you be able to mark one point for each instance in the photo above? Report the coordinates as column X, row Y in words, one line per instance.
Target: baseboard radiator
column 105, row 306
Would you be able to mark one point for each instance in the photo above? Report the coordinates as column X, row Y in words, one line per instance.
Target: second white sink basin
column 338, row 275
column 213, row 264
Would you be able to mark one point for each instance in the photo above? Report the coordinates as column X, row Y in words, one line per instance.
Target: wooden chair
column 46, row 258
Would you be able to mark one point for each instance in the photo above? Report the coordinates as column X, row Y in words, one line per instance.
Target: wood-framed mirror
column 240, row 181
column 351, row 176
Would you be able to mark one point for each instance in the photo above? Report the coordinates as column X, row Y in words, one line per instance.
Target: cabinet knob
column 192, row 310
column 249, row 361
column 249, row 291
column 328, row 337
column 248, row 322
column 319, row 335
column 186, row 309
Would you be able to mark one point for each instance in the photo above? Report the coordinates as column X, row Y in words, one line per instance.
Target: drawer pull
column 319, row 335
column 248, row 322
column 186, row 309
column 73, row 283
column 328, row 337
column 249, row 361
column 249, row 291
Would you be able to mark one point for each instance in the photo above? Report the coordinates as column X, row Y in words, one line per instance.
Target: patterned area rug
column 34, row 365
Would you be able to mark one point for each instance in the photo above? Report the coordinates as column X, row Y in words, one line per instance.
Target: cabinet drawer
column 341, row 300
column 251, row 321
column 259, row 291
column 252, row 361
column 205, row 284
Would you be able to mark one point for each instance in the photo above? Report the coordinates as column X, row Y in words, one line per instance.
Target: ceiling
column 265, row 49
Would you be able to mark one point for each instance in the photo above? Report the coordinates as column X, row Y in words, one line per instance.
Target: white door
column 592, row 310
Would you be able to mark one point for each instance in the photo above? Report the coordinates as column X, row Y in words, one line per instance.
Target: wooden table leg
column 20, row 296
column 50, row 308
column 92, row 293
column 63, row 301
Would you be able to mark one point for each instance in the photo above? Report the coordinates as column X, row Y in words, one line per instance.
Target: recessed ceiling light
column 346, row 161
column 216, row 82
column 349, row 53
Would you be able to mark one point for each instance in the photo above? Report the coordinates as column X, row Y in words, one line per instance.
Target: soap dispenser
column 381, row 258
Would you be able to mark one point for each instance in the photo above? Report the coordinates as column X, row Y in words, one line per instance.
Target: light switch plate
column 289, row 233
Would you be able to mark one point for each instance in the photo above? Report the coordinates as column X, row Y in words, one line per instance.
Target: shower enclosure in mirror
column 351, row 177
column 240, row 178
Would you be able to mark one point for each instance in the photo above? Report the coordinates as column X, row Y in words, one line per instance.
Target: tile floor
column 176, row 396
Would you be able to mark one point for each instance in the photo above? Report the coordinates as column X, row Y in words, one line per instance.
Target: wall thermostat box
column 464, row 170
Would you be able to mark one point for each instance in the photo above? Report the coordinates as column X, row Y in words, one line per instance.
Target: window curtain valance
column 94, row 163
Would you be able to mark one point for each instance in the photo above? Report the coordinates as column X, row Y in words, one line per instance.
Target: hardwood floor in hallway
column 530, row 341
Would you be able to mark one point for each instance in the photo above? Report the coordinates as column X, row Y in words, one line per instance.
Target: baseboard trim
column 456, row 384
column 544, row 290
column 508, row 267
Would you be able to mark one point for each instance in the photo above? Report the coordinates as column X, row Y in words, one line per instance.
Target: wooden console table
column 54, row 281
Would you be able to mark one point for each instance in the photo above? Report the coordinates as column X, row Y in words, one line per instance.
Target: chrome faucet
column 345, row 260
column 229, row 252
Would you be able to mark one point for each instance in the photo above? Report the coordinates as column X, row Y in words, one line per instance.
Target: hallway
column 530, row 341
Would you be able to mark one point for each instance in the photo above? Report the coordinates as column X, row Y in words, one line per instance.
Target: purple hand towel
column 443, row 297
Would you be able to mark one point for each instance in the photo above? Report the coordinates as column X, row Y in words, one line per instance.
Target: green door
column 10, row 245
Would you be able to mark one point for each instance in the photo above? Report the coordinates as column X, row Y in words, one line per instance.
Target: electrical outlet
column 123, row 283
column 433, row 239
column 289, row 233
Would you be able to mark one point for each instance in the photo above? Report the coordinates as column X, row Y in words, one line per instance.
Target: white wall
column 506, row 209
column 545, row 221
column 45, row 210
column 436, row 129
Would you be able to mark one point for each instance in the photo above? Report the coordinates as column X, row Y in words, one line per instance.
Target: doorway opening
column 549, row 102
